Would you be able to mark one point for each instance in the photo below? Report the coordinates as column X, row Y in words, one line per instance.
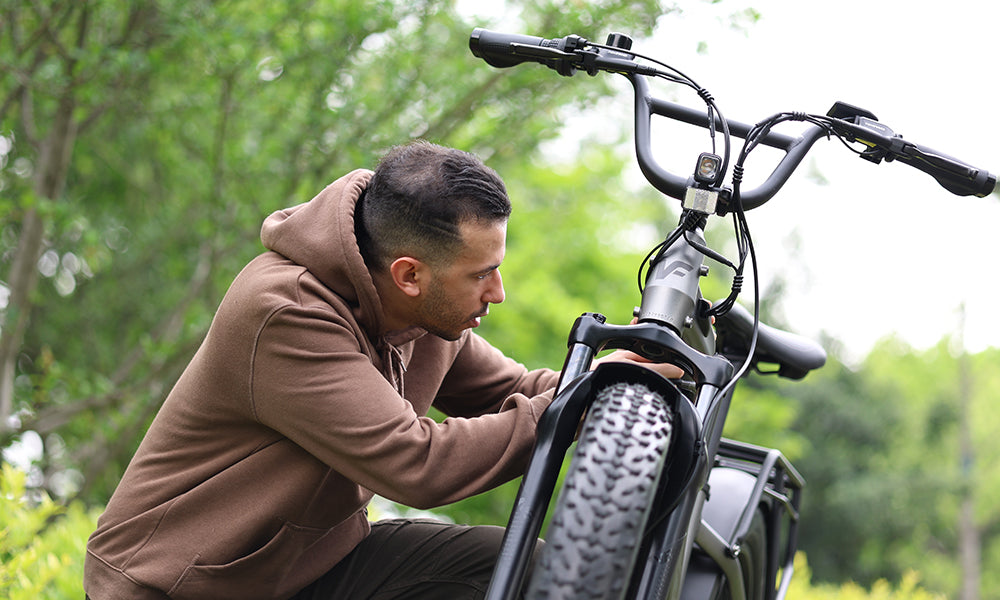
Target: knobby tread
column 600, row 514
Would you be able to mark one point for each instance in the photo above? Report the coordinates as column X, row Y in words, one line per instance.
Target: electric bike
column 656, row 503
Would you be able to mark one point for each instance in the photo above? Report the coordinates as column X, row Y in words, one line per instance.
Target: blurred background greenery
column 143, row 142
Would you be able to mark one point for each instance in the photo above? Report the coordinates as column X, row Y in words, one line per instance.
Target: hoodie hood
column 319, row 235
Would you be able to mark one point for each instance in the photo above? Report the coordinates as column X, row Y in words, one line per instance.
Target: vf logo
column 677, row 268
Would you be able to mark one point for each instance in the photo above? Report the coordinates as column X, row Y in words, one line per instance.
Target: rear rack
column 779, row 488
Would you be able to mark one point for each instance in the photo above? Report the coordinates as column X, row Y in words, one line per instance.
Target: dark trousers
column 410, row 559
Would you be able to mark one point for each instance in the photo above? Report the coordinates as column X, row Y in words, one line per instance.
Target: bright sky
column 883, row 249
column 930, row 74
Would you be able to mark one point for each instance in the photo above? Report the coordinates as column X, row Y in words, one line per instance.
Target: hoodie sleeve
column 482, row 380
column 313, row 383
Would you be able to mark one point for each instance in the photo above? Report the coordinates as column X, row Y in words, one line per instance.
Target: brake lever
column 543, row 52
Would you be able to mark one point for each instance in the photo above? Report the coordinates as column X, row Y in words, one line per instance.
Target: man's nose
column 495, row 293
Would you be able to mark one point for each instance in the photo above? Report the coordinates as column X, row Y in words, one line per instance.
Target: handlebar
column 571, row 53
column 674, row 185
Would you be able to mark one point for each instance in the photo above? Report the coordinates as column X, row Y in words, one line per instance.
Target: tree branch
column 48, row 32
column 51, row 419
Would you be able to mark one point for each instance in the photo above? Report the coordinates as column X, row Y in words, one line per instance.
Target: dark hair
column 419, row 196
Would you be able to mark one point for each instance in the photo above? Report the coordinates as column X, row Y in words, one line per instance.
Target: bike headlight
column 708, row 168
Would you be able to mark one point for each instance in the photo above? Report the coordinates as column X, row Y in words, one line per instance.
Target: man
column 308, row 396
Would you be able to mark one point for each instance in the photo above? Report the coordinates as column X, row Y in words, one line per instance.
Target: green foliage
column 802, row 587
column 885, row 472
column 761, row 414
column 197, row 119
column 852, row 506
column 41, row 543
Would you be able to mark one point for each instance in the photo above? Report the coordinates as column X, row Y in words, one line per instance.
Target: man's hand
column 666, row 369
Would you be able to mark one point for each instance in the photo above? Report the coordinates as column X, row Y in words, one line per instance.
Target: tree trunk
column 50, row 180
column 969, row 543
column 22, row 281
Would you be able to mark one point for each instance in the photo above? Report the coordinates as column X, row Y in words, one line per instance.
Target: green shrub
column 802, row 588
column 41, row 544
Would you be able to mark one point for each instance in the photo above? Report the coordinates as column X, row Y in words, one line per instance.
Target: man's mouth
column 476, row 320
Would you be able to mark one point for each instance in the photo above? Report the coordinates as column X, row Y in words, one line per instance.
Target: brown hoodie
column 253, row 479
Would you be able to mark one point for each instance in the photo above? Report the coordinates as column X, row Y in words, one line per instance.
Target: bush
column 802, row 588
column 42, row 543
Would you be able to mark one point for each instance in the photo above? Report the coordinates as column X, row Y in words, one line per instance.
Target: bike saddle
column 794, row 354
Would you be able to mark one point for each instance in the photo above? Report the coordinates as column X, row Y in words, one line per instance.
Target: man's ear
column 409, row 274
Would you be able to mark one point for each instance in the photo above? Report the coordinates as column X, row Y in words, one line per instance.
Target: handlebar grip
column 954, row 175
column 495, row 48
column 504, row 50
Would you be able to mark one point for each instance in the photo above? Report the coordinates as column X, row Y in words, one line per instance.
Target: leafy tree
column 63, row 64
column 885, row 473
column 190, row 122
column 848, row 497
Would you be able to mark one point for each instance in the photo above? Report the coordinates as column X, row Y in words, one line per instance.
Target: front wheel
column 601, row 512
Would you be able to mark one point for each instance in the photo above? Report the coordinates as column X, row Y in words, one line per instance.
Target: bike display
column 655, row 502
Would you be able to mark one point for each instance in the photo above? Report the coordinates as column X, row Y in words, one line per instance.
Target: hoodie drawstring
column 392, row 356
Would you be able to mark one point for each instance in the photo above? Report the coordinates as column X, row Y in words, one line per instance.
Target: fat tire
column 601, row 512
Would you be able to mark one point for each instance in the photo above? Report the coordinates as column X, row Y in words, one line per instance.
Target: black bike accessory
column 778, row 485
column 708, row 170
column 565, row 55
column 848, row 112
column 509, row 49
column 571, row 53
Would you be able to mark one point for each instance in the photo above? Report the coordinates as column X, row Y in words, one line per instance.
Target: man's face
column 460, row 293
